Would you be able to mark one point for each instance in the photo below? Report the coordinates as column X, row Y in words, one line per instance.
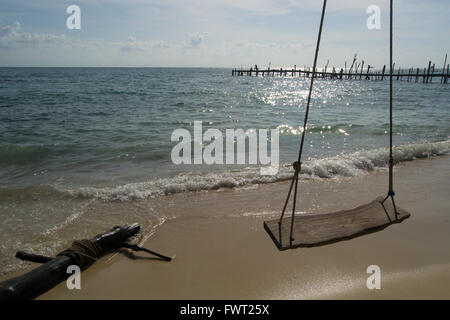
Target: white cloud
column 195, row 39
column 11, row 36
column 132, row 44
column 9, row 31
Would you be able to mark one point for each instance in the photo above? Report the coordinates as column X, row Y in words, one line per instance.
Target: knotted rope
column 83, row 252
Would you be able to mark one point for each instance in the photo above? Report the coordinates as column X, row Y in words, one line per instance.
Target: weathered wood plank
column 320, row 229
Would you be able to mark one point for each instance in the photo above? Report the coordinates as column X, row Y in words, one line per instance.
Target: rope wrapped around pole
column 84, row 252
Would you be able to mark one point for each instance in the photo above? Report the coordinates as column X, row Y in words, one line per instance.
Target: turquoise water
column 73, row 135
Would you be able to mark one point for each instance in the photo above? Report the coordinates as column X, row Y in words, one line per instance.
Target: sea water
column 73, row 136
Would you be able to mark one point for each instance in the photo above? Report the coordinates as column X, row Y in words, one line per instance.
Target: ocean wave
column 344, row 165
column 20, row 155
column 39, row 192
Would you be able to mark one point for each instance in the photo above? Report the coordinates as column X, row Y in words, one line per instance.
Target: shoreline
column 46, row 219
column 232, row 257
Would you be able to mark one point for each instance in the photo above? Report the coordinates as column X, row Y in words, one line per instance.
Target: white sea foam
column 344, row 165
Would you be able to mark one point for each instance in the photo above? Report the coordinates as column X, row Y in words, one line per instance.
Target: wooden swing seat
column 319, row 229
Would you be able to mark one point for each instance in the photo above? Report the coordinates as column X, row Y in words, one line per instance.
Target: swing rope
column 391, row 192
column 298, row 164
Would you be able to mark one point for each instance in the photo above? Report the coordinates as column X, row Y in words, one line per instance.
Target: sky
column 219, row 33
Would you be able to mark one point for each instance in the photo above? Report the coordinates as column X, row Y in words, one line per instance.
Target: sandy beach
column 230, row 256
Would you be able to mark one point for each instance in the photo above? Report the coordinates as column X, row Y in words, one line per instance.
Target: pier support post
column 443, row 69
column 362, row 66
column 446, row 77
column 432, row 73
column 368, row 71
column 428, row 71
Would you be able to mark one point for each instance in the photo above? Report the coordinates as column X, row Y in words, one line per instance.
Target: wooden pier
column 411, row 75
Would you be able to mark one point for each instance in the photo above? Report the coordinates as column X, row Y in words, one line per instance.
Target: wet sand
column 223, row 252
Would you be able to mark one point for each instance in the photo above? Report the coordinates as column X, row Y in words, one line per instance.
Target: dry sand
column 223, row 252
